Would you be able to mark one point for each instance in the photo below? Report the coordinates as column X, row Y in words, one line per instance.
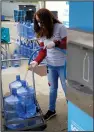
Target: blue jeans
column 53, row 74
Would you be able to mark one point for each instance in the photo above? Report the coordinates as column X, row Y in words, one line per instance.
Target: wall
column 8, row 8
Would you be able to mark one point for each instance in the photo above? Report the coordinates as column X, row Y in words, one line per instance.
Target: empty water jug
column 17, row 46
column 15, row 57
column 29, row 49
column 13, row 109
column 34, row 45
column 18, row 28
column 26, row 50
column 26, row 96
column 30, row 31
column 21, row 29
column 22, row 48
column 17, row 83
column 23, row 34
column 4, row 63
column 31, row 103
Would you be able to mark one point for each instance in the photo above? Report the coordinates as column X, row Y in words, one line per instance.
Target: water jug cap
column 18, row 77
column 14, row 91
column 23, row 83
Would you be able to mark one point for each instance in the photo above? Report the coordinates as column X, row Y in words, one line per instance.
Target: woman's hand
column 32, row 65
column 48, row 44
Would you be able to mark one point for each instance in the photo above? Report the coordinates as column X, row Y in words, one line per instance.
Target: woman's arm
column 41, row 55
column 63, row 35
column 62, row 44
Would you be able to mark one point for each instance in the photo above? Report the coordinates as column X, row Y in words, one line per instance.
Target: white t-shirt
column 55, row 57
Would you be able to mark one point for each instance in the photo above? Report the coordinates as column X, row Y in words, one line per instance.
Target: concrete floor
column 57, row 124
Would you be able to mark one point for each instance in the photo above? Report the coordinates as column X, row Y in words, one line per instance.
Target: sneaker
column 49, row 115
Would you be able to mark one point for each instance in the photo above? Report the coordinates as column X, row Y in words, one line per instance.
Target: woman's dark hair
column 47, row 20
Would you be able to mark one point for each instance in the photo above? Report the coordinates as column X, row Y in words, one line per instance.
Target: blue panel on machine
column 78, row 120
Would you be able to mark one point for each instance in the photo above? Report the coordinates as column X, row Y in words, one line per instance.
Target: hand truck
column 40, row 123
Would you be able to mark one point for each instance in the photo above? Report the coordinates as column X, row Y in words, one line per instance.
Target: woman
column 52, row 33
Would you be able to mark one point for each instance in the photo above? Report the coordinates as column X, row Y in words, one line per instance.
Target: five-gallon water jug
column 26, row 95
column 25, row 29
column 29, row 31
column 31, row 104
column 13, row 110
column 17, row 46
column 37, row 46
column 29, row 49
column 16, row 61
column 17, row 83
column 18, row 28
column 23, row 35
column 3, row 64
column 24, row 49
column 22, row 92
column 21, row 48
column 33, row 32
column 34, row 45
column 21, row 28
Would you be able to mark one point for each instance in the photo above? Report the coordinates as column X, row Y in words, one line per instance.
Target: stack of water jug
column 26, row 30
column 4, row 63
column 25, row 49
column 20, row 104
column 14, row 63
column 19, row 15
column 28, row 46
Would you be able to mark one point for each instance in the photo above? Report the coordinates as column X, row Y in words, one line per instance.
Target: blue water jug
column 16, row 61
column 33, row 32
column 29, row 49
column 18, row 28
column 4, row 63
column 21, row 48
column 17, row 83
column 21, row 28
column 26, row 95
column 34, row 45
column 13, row 110
column 30, row 32
column 18, row 46
column 24, row 50
column 23, row 35
column 25, row 30
column 31, row 104
column 37, row 46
